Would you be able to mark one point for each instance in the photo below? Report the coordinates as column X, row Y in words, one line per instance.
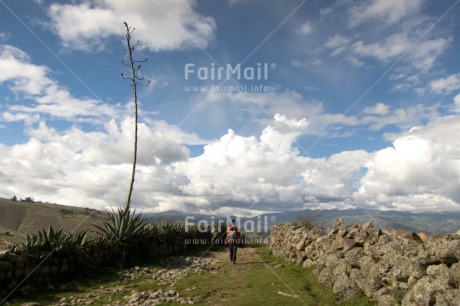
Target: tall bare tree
column 136, row 79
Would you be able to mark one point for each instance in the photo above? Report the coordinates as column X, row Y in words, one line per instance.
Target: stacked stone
column 392, row 267
column 16, row 268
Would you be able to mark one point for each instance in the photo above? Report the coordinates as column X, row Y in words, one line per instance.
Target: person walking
column 232, row 240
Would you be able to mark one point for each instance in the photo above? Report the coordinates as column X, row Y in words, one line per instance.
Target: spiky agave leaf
column 123, row 226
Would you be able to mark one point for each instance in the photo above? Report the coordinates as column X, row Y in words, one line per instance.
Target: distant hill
column 20, row 218
column 432, row 223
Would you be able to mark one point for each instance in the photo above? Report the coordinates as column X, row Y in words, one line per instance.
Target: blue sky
column 359, row 107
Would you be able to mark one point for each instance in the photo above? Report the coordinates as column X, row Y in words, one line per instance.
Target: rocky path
column 246, row 257
column 170, row 271
column 175, row 268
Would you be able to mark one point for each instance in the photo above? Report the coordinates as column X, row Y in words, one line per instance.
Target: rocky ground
column 170, row 271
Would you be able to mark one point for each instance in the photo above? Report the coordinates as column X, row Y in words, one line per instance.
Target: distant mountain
column 174, row 216
column 19, row 218
column 432, row 223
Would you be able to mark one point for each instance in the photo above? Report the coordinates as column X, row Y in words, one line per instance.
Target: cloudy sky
column 254, row 105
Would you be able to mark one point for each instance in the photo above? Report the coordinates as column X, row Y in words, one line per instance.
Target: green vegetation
column 46, row 241
column 123, row 226
column 258, row 282
column 256, row 279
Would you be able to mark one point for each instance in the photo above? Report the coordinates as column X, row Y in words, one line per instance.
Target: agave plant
column 75, row 239
column 153, row 231
column 52, row 240
column 13, row 248
column 167, row 229
column 123, row 226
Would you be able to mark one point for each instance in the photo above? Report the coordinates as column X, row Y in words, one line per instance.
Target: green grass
column 260, row 284
column 249, row 282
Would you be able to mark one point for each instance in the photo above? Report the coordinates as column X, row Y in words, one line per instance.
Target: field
column 17, row 219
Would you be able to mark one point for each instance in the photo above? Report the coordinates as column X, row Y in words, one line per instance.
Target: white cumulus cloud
column 92, row 169
column 32, row 83
column 421, row 171
column 160, row 25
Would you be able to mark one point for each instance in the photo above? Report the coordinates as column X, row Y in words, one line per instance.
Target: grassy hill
column 17, row 219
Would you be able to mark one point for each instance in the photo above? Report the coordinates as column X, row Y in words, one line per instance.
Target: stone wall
column 392, row 267
column 49, row 268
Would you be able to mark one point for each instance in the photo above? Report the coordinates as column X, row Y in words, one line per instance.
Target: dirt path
column 229, row 278
column 245, row 256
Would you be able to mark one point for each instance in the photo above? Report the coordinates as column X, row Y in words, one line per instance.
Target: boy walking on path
column 233, row 239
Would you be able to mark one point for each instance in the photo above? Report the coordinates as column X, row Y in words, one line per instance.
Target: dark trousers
column 233, row 248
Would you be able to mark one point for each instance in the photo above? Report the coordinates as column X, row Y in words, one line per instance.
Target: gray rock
column 353, row 256
column 308, row 263
column 384, row 297
column 402, row 269
column 338, row 243
column 349, row 244
column 340, row 269
column 325, row 276
column 367, row 225
column 344, row 288
column 425, row 291
column 300, row 246
column 450, row 297
column 373, row 235
column 449, row 252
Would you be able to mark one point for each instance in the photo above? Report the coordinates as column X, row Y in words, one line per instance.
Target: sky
column 254, row 106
